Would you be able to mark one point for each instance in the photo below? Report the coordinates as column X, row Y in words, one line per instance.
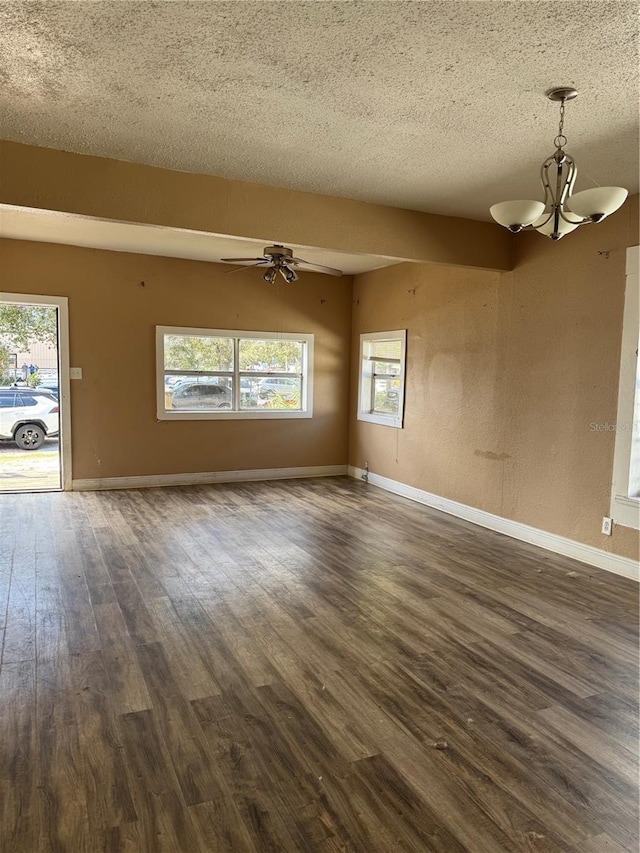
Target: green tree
column 33, row 379
column 23, row 325
column 198, row 353
column 216, row 354
column 20, row 327
column 277, row 355
column 5, row 378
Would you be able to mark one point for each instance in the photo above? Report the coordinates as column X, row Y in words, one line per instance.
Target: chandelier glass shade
column 560, row 212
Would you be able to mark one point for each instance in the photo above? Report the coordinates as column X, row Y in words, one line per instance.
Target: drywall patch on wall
column 490, row 454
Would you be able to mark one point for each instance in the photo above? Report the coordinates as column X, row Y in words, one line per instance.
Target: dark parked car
column 50, row 385
column 201, row 395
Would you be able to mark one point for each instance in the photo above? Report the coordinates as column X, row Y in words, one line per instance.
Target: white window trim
column 306, row 410
column 625, row 510
column 364, row 412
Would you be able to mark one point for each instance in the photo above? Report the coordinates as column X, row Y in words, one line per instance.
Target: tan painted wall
column 505, row 374
column 112, row 337
column 112, row 189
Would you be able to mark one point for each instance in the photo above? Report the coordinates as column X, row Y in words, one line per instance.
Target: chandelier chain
column 561, row 140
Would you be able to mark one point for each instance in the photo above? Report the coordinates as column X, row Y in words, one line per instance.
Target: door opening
column 34, row 398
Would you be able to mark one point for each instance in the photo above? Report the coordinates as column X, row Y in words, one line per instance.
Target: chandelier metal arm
column 565, row 177
column 582, row 220
column 555, row 197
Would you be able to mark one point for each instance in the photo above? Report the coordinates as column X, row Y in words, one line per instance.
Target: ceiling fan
column 279, row 259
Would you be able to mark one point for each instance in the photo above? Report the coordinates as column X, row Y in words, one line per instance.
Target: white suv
column 28, row 415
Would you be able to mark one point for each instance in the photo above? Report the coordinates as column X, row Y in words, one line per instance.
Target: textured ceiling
column 436, row 106
column 19, row 223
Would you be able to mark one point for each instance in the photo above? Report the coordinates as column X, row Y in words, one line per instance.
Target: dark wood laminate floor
column 306, row 665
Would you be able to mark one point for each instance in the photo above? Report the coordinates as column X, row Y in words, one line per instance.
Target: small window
column 7, row 401
column 382, row 372
column 204, row 373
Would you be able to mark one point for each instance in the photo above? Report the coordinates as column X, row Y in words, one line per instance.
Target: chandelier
column 560, row 212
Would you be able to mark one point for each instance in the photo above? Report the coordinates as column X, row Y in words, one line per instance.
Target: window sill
column 227, row 415
column 382, row 420
column 626, row 511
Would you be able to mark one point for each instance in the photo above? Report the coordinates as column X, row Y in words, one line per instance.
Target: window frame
column 259, row 413
column 625, row 509
column 366, row 380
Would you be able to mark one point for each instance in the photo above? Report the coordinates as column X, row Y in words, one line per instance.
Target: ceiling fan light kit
column 560, row 212
column 279, row 260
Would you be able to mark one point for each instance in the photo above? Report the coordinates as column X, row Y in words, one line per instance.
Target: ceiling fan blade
column 245, row 260
column 241, row 268
column 314, row 267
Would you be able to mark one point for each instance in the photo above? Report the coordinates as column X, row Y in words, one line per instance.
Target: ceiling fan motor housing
column 278, row 252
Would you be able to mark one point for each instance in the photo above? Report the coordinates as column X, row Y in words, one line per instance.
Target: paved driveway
column 29, row 469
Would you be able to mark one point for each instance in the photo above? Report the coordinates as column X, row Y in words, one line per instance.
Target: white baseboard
column 156, row 480
column 549, row 541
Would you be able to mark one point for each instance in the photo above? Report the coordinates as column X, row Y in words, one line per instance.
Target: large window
column 625, row 493
column 381, row 385
column 209, row 373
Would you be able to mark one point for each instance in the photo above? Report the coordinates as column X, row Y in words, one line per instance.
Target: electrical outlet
column 75, row 373
column 607, row 525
